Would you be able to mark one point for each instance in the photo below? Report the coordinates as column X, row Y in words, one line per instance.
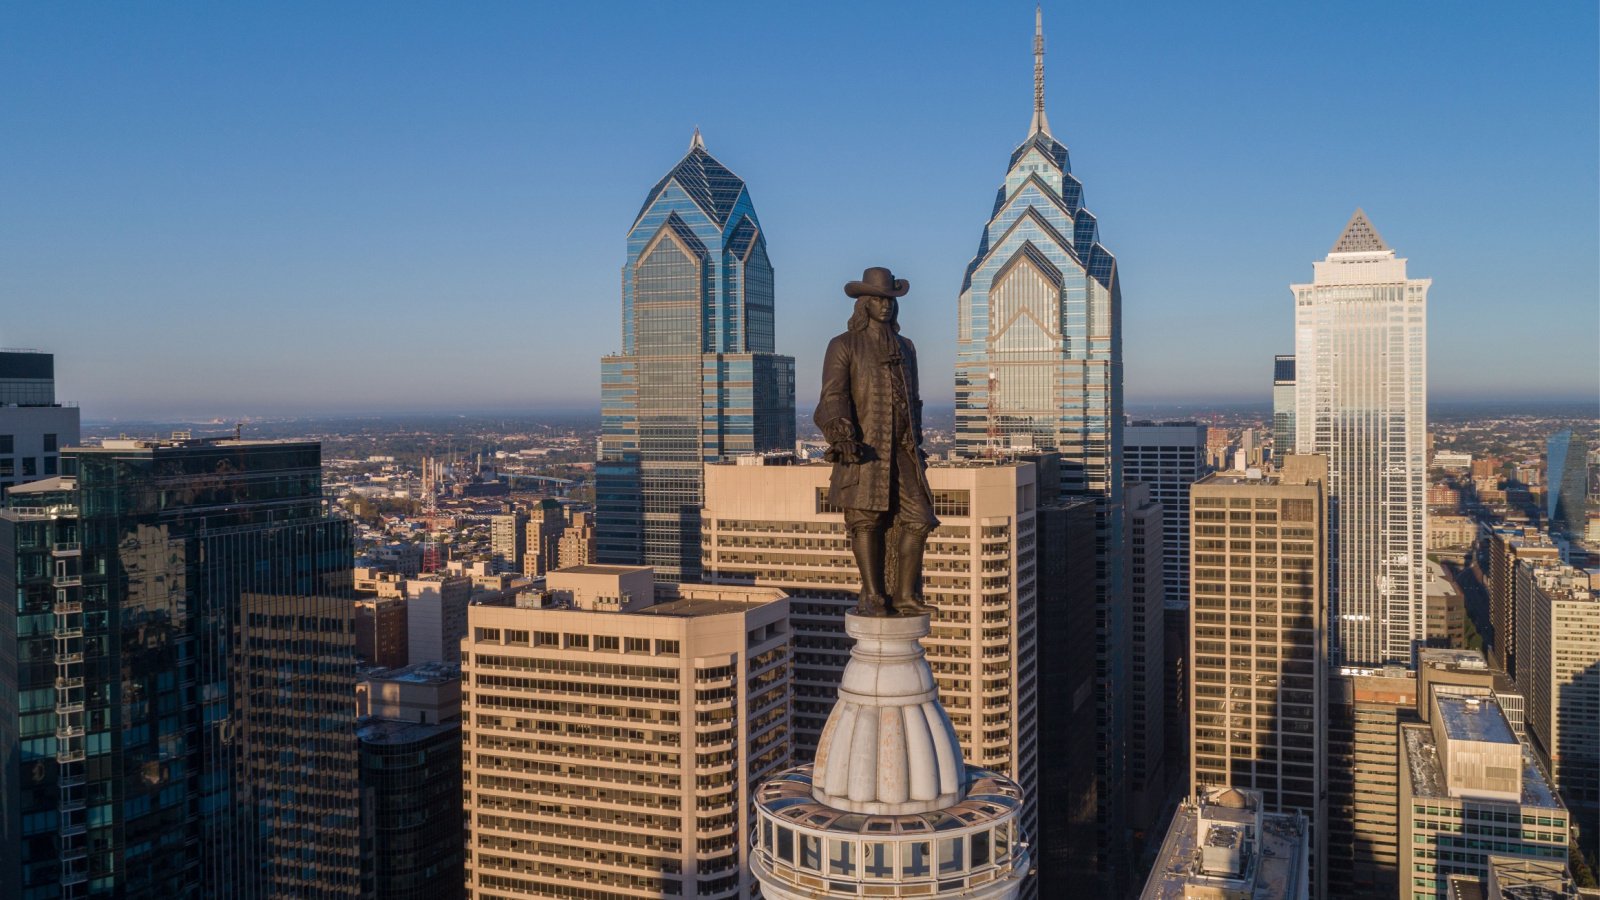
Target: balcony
column 73, row 580
column 66, row 548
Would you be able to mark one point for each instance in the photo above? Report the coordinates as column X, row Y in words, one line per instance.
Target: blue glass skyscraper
column 1566, row 474
column 697, row 379
column 1039, row 368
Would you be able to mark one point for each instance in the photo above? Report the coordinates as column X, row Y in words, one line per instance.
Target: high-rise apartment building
column 1169, row 457
column 1512, row 553
column 772, row 526
column 1257, row 652
column 1470, row 790
column 1282, row 406
column 436, row 616
column 614, row 732
column 1567, row 477
column 181, row 646
column 381, row 632
column 576, row 547
column 1039, row 368
column 1361, row 400
column 508, row 534
column 541, row 552
column 1559, row 674
column 33, row 425
column 698, row 377
column 411, row 827
column 1147, row 776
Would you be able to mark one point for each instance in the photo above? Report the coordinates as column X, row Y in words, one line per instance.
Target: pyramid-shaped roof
column 1359, row 236
column 708, row 183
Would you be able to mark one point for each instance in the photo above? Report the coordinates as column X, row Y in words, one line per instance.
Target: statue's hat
column 878, row 282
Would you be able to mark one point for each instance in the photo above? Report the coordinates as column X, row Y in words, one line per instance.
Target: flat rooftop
column 691, row 607
column 418, row 673
column 1272, row 873
column 1427, row 773
column 597, row 569
column 373, row 730
column 1470, row 718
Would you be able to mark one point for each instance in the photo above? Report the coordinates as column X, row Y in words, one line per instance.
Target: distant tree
column 1581, row 873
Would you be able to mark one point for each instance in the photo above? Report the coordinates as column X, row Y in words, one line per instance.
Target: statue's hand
column 847, row 452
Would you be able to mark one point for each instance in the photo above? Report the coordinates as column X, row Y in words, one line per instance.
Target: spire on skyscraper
column 1040, row 122
column 696, row 142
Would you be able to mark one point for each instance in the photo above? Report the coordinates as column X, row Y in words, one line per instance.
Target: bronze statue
column 871, row 414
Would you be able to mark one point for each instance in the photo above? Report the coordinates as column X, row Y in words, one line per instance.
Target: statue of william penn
column 871, row 414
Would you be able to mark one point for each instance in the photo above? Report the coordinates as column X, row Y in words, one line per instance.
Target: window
column 950, row 855
column 30, row 466
column 489, row 634
column 609, row 643
column 878, row 860
column 546, row 639
column 7, row 444
column 785, row 841
column 50, row 465
column 636, row 645
column 666, row 648
column 581, row 642
column 917, row 863
column 979, row 846
column 519, row 638
column 810, row 852
column 841, row 857
column 50, row 443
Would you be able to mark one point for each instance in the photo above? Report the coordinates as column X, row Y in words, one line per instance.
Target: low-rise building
column 1468, row 790
column 1222, row 846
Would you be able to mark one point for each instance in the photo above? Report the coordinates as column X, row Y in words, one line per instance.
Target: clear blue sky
column 227, row 209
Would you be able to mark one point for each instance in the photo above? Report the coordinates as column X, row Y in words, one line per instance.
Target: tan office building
column 613, row 730
column 1258, row 569
column 767, row 522
column 1147, row 776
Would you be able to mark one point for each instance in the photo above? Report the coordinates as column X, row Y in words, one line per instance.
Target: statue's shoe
column 872, row 605
column 912, row 606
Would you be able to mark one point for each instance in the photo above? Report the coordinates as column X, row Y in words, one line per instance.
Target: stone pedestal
column 888, row 747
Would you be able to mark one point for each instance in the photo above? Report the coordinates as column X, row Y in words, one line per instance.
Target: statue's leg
column 914, row 520
column 867, row 531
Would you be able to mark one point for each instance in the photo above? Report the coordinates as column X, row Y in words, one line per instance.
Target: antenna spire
column 696, row 143
column 1040, row 122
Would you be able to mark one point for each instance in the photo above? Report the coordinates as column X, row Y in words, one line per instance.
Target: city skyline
column 267, row 188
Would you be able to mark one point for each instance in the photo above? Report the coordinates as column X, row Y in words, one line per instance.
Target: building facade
column 1361, row 401
column 1560, row 681
column 1039, row 368
column 508, row 533
column 184, row 664
column 1364, row 717
column 698, row 377
column 1147, row 775
column 1169, row 457
column 33, row 425
column 436, row 616
column 1513, row 555
column 1257, row 652
column 614, row 731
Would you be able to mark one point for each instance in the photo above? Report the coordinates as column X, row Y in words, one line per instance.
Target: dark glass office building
column 184, row 724
column 697, row 379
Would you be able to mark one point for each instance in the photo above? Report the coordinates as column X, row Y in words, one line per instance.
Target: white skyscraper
column 1360, row 399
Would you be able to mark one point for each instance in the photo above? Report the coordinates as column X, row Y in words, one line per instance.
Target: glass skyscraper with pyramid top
column 1039, row 369
column 697, row 379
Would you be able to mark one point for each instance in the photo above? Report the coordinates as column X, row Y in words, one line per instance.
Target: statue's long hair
column 859, row 319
